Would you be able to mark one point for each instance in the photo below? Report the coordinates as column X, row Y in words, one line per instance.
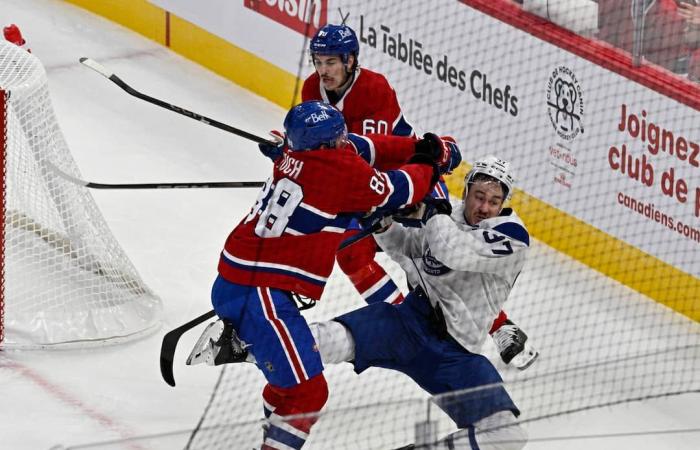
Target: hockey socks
column 375, row 285
column 303, row 401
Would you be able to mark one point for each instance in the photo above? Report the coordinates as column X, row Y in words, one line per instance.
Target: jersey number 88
column 275, row 207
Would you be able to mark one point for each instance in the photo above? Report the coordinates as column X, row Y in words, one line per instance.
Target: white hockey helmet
column 494, row 167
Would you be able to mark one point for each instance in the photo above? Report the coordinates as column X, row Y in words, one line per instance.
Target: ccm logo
column 293, row 14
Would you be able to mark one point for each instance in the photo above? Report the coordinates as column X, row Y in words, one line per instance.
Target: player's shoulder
column 311, row 90
column 330, row 157
column 510, row 224
column 372, row 78
column 313, row 168
column 314, row 77
column 370, row 91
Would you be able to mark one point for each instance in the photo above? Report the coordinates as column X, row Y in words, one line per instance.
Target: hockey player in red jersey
column 369, row 105
column 366, row 99
column 285, row 248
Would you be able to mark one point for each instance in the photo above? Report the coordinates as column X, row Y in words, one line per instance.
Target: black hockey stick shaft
column 179, row 185
column 170, row 340
column 202, row 185
column 99, row 68
column 376, row 226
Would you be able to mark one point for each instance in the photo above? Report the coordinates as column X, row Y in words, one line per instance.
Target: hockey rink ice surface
column 85, row 398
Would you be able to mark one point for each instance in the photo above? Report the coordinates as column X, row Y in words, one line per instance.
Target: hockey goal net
column 65, row 279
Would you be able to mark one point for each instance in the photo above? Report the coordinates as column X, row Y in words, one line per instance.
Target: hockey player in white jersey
column 462, row 267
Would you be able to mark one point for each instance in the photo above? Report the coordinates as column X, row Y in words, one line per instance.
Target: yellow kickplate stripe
column 198, row 45
column 242, row 67
column 138, row 15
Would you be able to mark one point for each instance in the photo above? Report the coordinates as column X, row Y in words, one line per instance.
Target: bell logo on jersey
column 293, row 14
column 432, row 266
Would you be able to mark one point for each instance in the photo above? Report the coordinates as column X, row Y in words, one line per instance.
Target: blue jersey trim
column 514, row 231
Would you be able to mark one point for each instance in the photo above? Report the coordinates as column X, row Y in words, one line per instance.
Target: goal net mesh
column 66, row 281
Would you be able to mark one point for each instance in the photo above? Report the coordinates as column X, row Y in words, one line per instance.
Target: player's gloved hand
column 435, row 206
column 379, row 220
column 273, row 151
column 441, row 151
column 419, row 214
column 455, row 155
column 410, row 216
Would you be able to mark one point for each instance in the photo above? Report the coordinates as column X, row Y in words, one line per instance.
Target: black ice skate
column 512, row 345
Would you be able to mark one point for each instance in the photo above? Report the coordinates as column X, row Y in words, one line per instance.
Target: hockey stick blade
column 170, row 340
column 183, row 185
column 102, row 70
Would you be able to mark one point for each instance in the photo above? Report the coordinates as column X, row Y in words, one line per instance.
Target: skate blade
column 203, row 350
column 525, row 359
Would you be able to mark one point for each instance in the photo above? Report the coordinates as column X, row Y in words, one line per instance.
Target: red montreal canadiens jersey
column 369, row 105
column 289, row 239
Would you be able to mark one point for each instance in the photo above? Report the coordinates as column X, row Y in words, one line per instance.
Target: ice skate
column 512, row 345
column 218, row 344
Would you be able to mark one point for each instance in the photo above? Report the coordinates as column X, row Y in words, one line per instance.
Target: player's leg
column 470, row 390
column 284, row 349
column 499, row 431
column 512, row 343
column 466, row 385
column 368, row 276
column 380, row 336
column 303, row 401
column 335, row 342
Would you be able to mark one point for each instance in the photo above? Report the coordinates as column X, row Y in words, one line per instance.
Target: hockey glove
column 273, row 151
column 378, row 221
column 419, row 215
column 455, row 155
column 441, row 151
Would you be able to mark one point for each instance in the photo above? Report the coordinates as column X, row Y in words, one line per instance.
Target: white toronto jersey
column 468, row 270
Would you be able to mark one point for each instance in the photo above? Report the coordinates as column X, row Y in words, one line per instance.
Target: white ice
column 82, row 398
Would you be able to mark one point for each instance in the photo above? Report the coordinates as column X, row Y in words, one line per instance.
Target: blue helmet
column 335, row 40
column 311, row 124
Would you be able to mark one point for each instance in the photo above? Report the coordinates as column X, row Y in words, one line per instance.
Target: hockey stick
column 376, row 226
column 170, row 340
column 102, row 70
column 202, row 185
